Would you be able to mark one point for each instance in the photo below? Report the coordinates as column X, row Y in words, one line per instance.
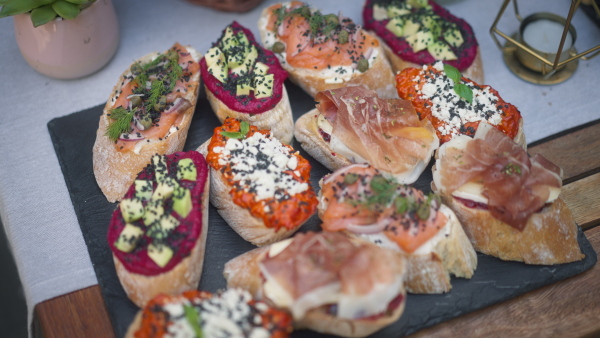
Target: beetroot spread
column 226, row 92
column 182, row 238
column 465, row 53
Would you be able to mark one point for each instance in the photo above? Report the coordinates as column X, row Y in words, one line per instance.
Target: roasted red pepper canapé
column 410, row 84
column 286, row 198
column 226, row 92
column 182, row 238
column 465, row 53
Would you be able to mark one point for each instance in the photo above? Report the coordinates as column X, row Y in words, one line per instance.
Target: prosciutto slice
column 515, row 184
column 387, row 133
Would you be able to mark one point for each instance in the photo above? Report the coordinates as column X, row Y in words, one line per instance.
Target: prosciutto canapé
column 514, row 185
column 386, row 133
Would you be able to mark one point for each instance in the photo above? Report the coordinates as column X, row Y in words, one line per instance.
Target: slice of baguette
column 550, row 236
column 183, row 277
column 473, row 72
column 379, row 77
column 244, row 272
column 279, row 119
column 115, row 170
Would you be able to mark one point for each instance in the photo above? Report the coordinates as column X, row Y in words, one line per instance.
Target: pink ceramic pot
column 70, row 49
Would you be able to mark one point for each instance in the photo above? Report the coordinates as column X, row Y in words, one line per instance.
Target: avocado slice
column 168, row 222
column 411, row 27
column 132, row 209
column 182, row 201
column 243, row 87
column 453, row 37
column 219, row 71
column 263, row 85
column 143, row 189
column 441, row 51
column 418, row 3
column 214, row 56
column 160, row 254
column 398, row 10
column 420, row 40
column 128, row 238
column 160, row 167
column 229, row 40
column 396, row 25
column 380, row 13
column 261, row 69
column 242, row 39
column 432, row 23
column 153, row 211
column 165, row 188
column 186, row 170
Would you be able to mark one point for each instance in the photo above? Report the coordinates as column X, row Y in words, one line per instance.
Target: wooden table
column 568, row 308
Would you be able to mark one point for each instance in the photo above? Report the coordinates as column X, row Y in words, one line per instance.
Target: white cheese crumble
column 262, row 165
column 449, row 107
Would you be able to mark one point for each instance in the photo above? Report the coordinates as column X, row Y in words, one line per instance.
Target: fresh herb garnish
column 193, row 317
column 121, row 124
column 351, row 178
column 511, row 168
column 460, row 89
column 244, row 129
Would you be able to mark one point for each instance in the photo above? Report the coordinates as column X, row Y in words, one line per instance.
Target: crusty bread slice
column 244, row 272
column 279, row 119
column 379, row 77
column 183, row 277
column 115, row 171
column 135, row 325
column 550, row 236
column 473, row 72
column 250, row 228
column 307, row 133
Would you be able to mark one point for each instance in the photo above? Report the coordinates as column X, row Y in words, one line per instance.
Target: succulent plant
column 43, row 11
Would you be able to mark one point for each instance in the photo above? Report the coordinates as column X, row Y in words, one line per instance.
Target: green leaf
column 43, row 2
column 463, row 91
column 4, row 2
column 14, row 7
column 78, row 2
column 42, row 15
column 233, row 134
column 122, row 120
column 66, row 9
column 452, row 72
column 193, row 317
column 244, row 127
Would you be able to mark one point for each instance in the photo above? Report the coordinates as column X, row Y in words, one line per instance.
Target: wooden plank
column 578, row 153
column 583, row 198
column 78, row 314
column 567, row 309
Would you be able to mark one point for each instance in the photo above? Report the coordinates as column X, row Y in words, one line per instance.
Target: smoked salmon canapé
column 353, row 125
column 229, row 313
column 245, row 81
column 329, row 282
column 455, row 104
column 419, row 32
column 507, row 201
column 149, row 112
column 260, row 186
column 324, row 51
column 360, row 200
column 157, row 234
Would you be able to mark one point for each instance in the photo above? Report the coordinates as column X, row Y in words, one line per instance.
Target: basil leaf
column 452, row 72
column 463, row 91
column 235, row 135
column 42, row 15
column 193, row 317
column 244, row 128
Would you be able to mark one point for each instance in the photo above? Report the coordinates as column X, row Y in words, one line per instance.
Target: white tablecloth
column 35, row 207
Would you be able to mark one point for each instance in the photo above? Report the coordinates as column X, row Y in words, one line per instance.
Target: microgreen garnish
column 193, row 318
column 460, row 89
column 244, row 129
column 511, row 168
column 121, row 124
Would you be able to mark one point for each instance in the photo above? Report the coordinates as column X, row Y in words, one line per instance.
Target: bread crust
column 550, row 236
column 473, row 72
column 115, row 171
column 183, row 277
column 279, row 119
column 244, row 272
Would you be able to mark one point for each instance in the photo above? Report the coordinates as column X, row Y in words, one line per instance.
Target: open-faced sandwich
column 230, row 313
column 455, row 104
column 360, row 200
column 353, row 125
column 507, row 202
column 419, row 32
column 158, row 233
column 325, row 51
column 260, row 186
column 148, row 112
column 329, row 282
column 245, row 81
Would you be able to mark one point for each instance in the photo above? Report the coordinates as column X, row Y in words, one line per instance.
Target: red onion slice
column 179, row 105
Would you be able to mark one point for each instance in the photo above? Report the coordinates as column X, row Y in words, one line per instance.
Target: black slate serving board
column 73, row 137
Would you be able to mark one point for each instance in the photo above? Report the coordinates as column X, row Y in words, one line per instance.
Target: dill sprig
column 156, row 90
column 175, row 72
column 121, row 124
